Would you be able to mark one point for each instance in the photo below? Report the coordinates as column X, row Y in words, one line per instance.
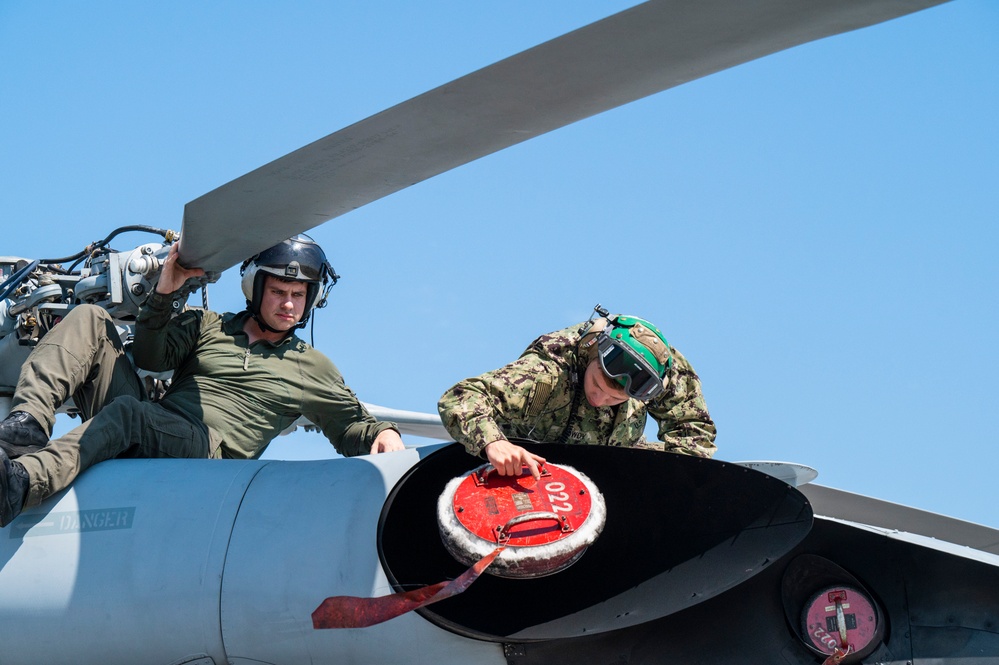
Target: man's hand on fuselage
column 387, row 441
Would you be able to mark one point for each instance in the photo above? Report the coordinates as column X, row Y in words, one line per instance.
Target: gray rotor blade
column 839, row 504
column 625, row 57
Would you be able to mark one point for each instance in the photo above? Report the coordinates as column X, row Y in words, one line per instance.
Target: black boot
column 13, row 488
column 21, row 434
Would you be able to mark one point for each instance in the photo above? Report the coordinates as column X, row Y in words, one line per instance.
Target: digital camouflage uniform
column 532, row 397
column 227, row 398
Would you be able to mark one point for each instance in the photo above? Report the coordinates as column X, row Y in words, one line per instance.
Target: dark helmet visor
column 621, row 363
column 297, row 258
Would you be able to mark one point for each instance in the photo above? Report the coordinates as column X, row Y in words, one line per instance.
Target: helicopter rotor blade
column 412, row 423
column 630, row 55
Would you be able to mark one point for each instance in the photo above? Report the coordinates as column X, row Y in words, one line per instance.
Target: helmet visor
column 626, row 366
column 298, row 258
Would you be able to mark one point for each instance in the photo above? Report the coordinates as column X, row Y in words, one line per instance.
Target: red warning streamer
column 355, row 612
column 837, row 656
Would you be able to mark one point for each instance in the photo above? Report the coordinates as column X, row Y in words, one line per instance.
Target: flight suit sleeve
column 685, row 426
column 474, row 410
column 342, row 418
column 163, row 341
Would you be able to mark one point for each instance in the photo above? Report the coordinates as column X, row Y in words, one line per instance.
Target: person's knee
column 121, row 409
column 89, row 312
column 94, row 322
column 84, row 322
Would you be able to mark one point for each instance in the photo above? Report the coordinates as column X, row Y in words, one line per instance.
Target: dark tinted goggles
column 625, row 365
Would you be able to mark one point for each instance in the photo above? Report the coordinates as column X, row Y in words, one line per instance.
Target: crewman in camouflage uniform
column 238, row 381
column 591, row 383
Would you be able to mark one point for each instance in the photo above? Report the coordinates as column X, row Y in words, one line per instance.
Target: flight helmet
column 635, row 354
column 298, row 258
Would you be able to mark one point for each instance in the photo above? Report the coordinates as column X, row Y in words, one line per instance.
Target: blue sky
column 815, row 230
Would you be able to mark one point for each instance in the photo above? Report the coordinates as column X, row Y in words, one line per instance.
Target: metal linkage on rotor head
column 37, row 294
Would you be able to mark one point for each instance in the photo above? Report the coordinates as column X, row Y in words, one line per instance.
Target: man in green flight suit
column 238, row 380
column 591, row 383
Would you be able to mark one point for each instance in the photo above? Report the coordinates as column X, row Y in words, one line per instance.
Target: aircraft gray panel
column 625, row 57
column 829, row 502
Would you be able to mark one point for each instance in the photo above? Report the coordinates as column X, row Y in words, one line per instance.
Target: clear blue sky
column 815, row 231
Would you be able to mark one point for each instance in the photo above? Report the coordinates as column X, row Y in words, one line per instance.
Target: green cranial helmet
column 636, row 354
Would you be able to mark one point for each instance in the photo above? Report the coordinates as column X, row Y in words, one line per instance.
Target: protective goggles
column 626, row 366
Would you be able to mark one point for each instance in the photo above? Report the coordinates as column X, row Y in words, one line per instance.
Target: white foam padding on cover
column 458, row 538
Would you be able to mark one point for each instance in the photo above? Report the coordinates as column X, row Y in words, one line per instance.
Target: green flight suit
column 540, row 396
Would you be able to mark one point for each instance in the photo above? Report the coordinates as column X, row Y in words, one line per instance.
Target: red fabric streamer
column 837, row 656
column 354, row 612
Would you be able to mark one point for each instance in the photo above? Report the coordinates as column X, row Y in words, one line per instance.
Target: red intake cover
column 836, row 613
column 545, row 524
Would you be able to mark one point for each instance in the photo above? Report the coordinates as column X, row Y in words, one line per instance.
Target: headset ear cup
column 588, row 342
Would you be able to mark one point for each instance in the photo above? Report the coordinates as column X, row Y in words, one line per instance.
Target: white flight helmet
column 298, row 258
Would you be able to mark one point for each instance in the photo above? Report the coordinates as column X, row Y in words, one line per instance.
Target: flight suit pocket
column 170, row 435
